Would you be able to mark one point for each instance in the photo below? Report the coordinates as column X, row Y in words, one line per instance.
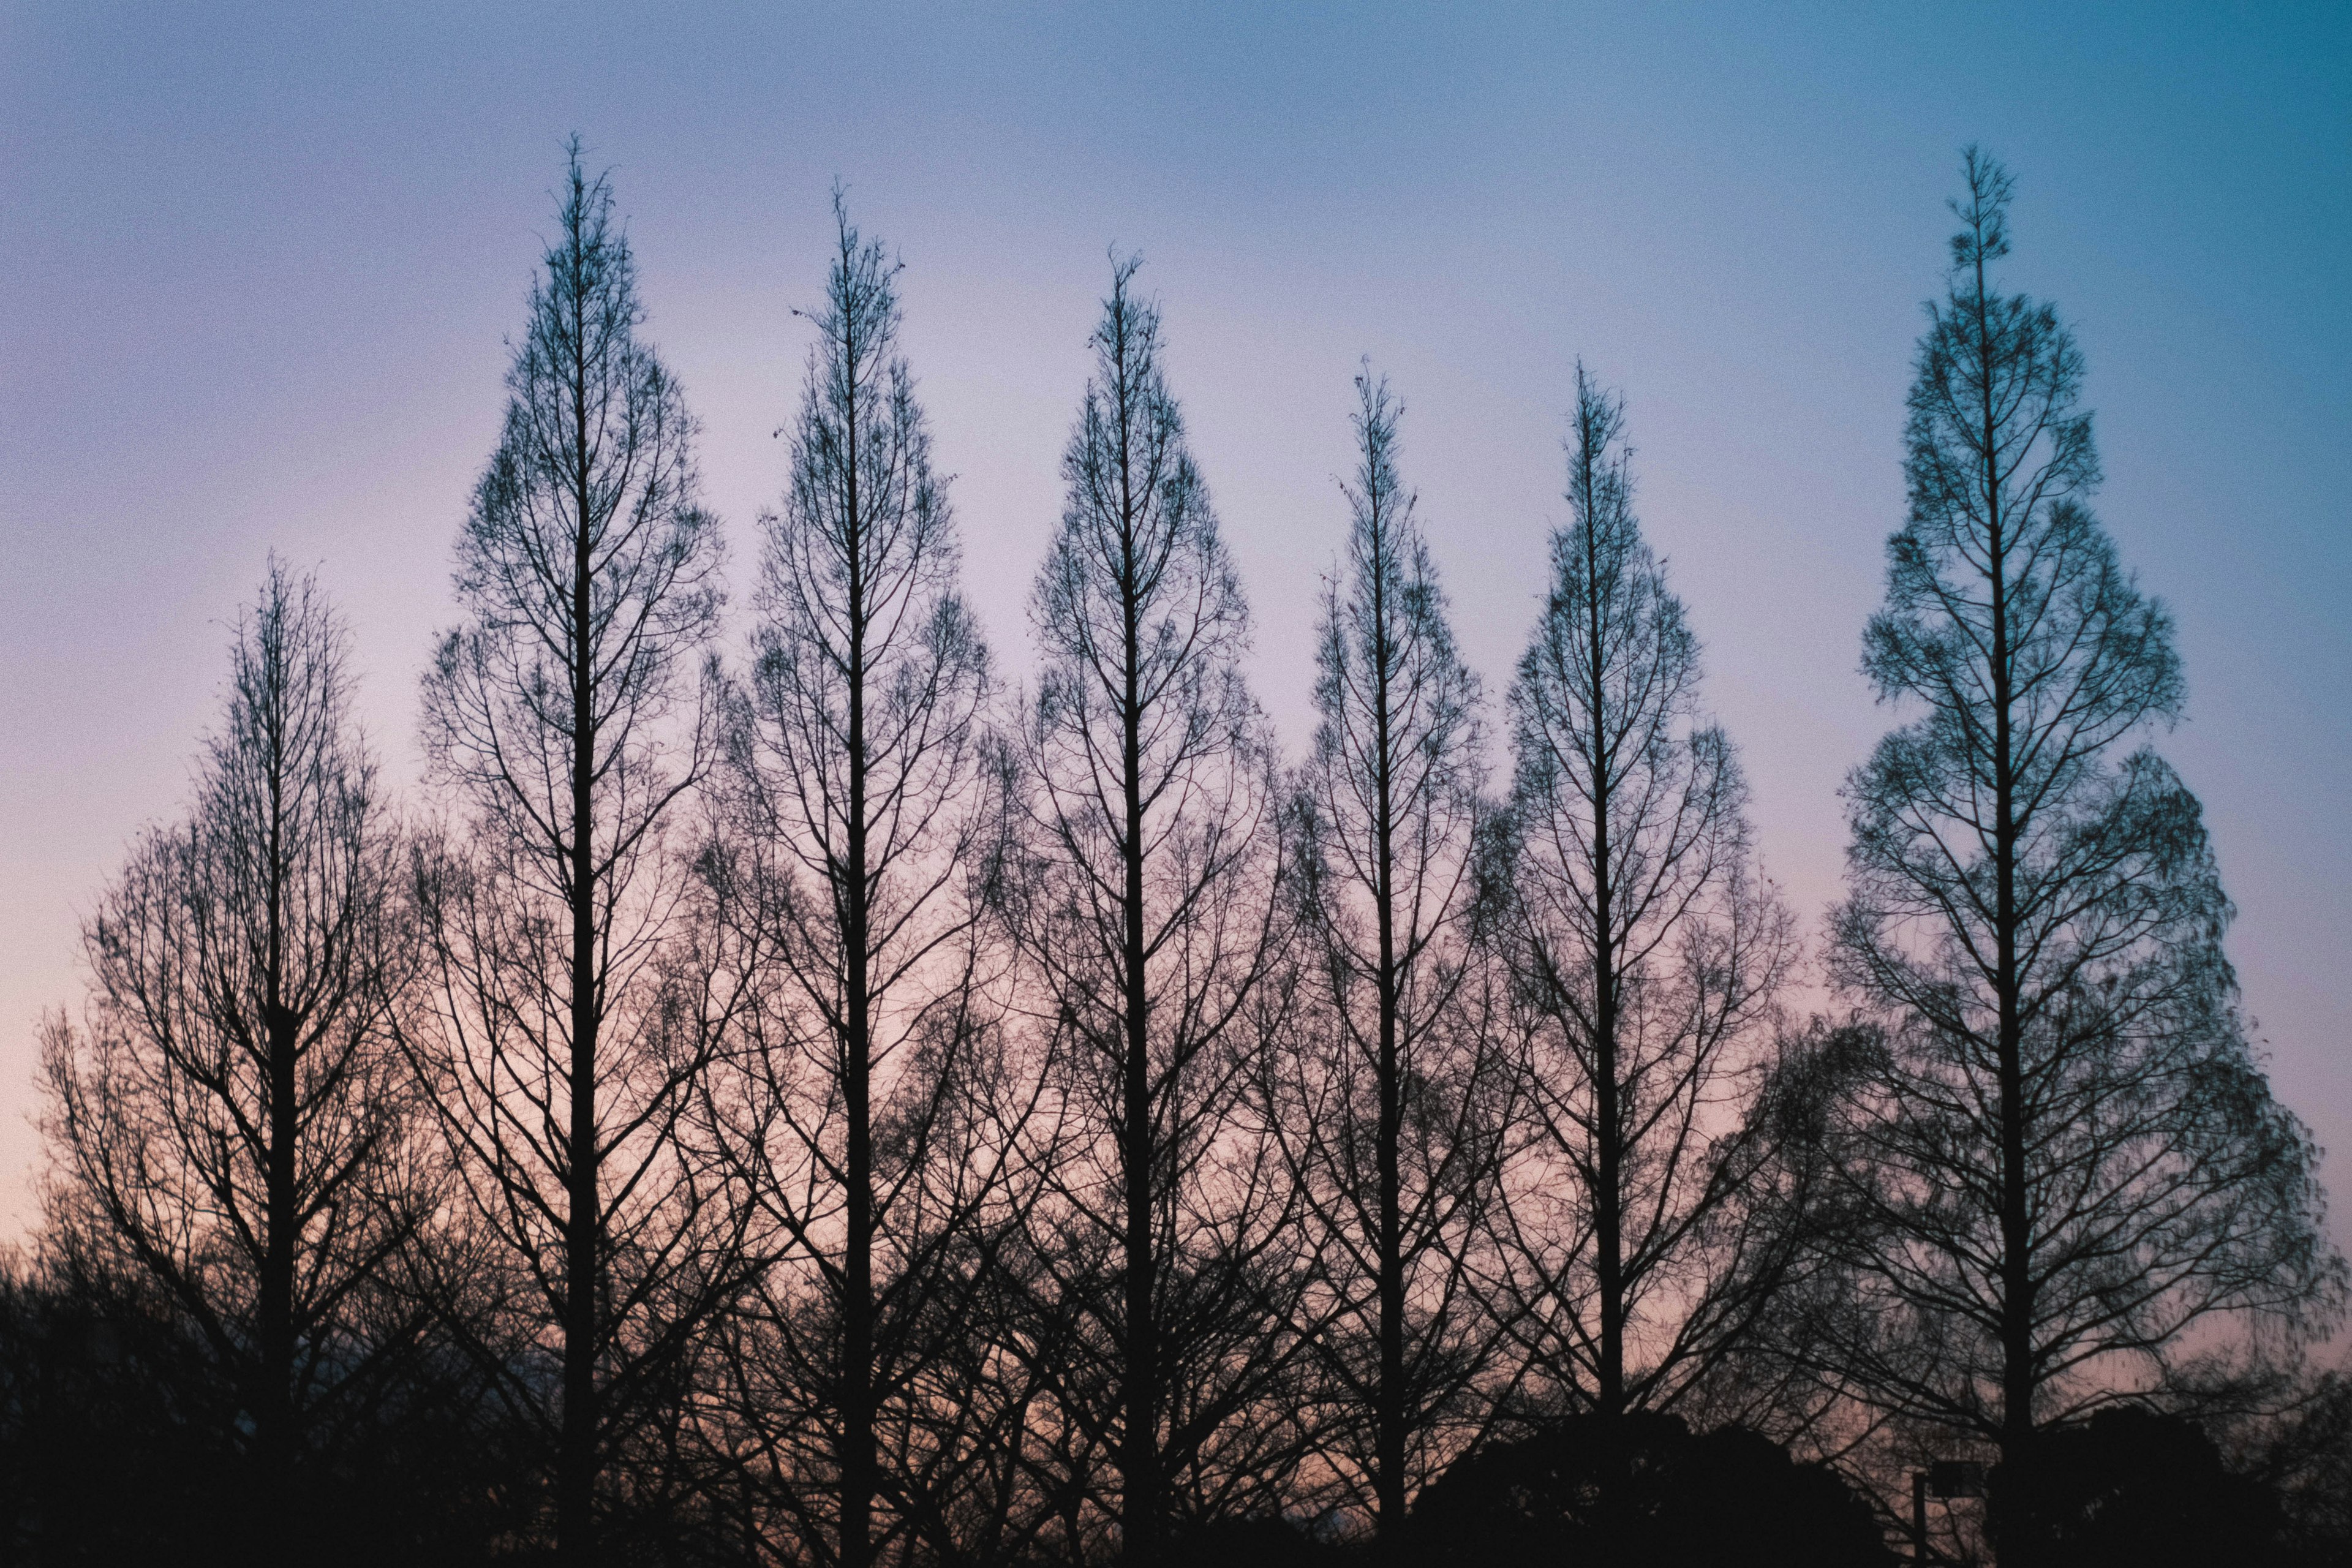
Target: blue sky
column 259, row 263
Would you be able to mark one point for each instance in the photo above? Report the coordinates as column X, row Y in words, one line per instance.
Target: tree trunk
column 857, row 1458
column 1388, row 1441
column 2018, row 1377
column 575, row 1481
column 1140, row 1504
column 1608, row 1197
column 282, row 1030
column 275, row 1417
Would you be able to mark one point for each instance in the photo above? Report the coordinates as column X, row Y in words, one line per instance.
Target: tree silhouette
column 565, row 721
column 1147, row 917
column 2063, row 1151
column 864, row 806
column 1646, row 952
column 1393, row 1104
column 230, row 1120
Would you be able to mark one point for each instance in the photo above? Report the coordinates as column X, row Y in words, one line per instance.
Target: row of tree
column 826, row 1106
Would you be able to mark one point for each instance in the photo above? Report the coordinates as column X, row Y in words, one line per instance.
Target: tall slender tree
column 1646, row 951
column 863, row 800
column 231, row 1120
column 1393, row 1113
column 2067, row 1150
column 566, row 720
column 1149, row 916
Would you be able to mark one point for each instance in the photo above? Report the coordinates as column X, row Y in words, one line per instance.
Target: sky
column 258, row 267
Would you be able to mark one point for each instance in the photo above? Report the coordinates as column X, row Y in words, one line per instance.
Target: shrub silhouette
column 2133, row 1489
column 1643, row 1490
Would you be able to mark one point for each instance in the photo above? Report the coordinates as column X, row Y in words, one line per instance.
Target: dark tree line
column 828, row 1106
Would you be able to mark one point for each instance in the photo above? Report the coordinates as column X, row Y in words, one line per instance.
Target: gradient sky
column 257, row 266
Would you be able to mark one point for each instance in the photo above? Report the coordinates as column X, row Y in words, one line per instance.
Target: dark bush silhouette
column 2135, row 1488
column 1262, row 1542
column 1644, row 1488
column 119, row 1444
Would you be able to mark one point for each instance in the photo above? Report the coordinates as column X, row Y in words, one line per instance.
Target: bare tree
column 866, row 808
column 565, row 720
column 230, row 1120
column 1392, row 1109
column 2066, row 1152
column 1148, row 914
column 1646, row 951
